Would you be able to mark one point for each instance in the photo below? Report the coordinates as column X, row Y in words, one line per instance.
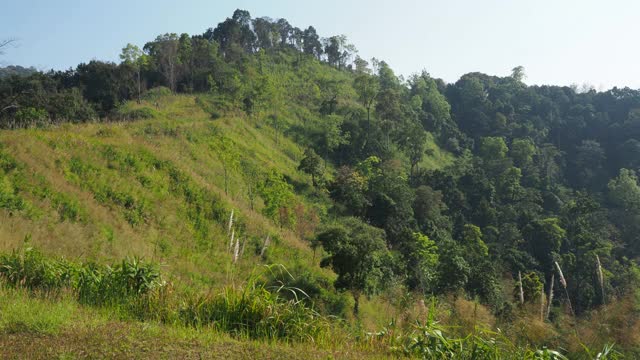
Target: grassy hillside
column 152, row 188
column 155, row 189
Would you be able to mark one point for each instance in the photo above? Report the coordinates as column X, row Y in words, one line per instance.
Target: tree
column 589, row 164
column 349, row 189
column 311, row 42
column 358, row 254
column 228, row 155
column 549, row 163
column 472, row 241
column 414, row 143
column 531, row 288
column 493, row 151
column 421, row 255
column 544, row 238
column 311, row 164
column 252, row 177
column 624, row 190
column 338, row 51
column 428, row 207
column 133, row 56
column 102, row 84
column 234, row 35
column 522, row 152
column 266, row 33
column 164, row 52
column 277, row 195
column 285, row 31
column 508, row 184
column 493, row 148
column 331, row 135
column 185, row 60
column 367, row 88
column 517, row 73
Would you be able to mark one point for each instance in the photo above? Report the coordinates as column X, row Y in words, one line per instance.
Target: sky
column 559, row 42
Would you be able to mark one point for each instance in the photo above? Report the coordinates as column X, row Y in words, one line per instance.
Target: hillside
column 155, row 189
column 151, row 188
column 261, row 186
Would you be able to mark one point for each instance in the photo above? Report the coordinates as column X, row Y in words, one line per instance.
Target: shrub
column 28, row 268
column 156, row 93
column 100, row 285
column 31, row 116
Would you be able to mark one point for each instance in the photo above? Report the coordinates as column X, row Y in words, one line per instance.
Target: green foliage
column 136, row 288
column 531, row 287
column 228, row 155
column 257, row 312
column 544, row 174
column 544, row 238
column 472, row 240
column 311, row 164
column 9, row 199
column 422, row 262
column 358, row 254
column 31, row 116
column 29, row 269
column 277, row 195
column 429, row 339
column 624, row 190
column 156, row 93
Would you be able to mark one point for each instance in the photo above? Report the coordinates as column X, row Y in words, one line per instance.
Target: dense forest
column 538, row 204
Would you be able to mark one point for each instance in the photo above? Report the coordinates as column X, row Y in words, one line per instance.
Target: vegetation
column 366, row 195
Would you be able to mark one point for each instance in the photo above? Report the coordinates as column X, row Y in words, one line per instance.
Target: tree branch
column 5, row 43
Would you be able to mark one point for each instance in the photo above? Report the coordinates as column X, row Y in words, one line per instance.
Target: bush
column 156, row 93
column 92, row 284
column 28, row 268
column 100, row 285
column 9, row 199
column 31, row 116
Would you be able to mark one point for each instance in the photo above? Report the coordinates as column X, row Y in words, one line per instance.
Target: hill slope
column 155, row 188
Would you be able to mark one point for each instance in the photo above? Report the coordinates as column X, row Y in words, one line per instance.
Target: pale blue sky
column 557, row 41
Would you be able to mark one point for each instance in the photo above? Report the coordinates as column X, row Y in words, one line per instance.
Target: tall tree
column 133, row 56
column 164, row 52
column 367, row 88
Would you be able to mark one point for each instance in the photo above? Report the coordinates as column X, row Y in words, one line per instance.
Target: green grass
column 21, row 313
column 153, row 188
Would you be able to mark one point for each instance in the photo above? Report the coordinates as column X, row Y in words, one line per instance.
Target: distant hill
column 16, row 70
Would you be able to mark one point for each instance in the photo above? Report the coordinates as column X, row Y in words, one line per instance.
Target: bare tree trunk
column 356, row 303
column 521, row 290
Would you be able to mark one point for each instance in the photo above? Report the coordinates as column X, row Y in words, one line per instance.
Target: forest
column 524, row 200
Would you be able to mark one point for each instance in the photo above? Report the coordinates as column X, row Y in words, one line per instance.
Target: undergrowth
column 265, row 308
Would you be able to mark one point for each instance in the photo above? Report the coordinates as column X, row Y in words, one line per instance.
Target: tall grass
column 428, row 339
column 136, row 290
column 257, row 312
